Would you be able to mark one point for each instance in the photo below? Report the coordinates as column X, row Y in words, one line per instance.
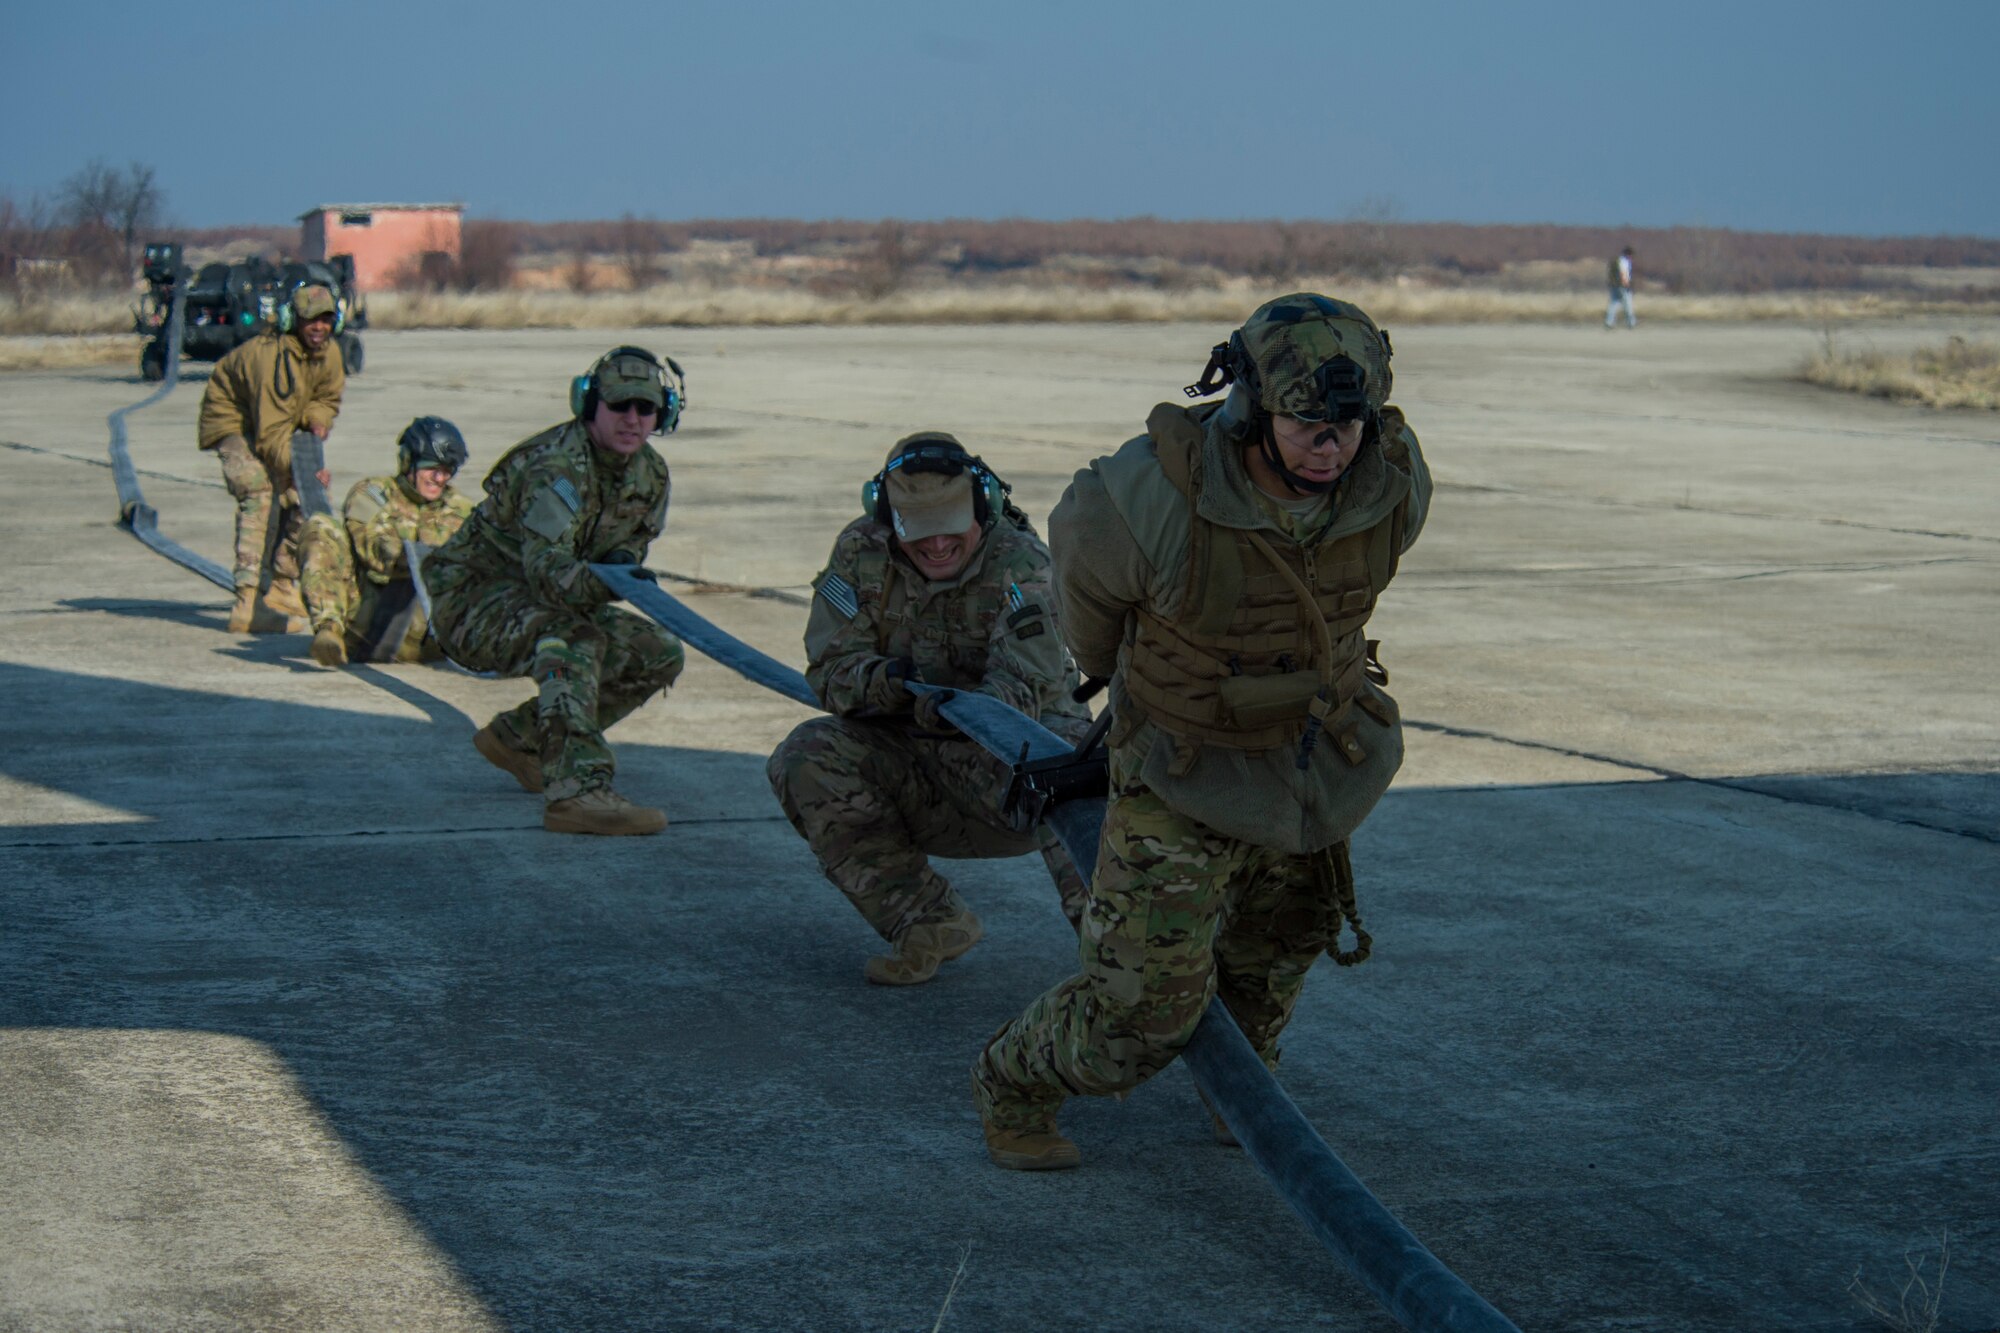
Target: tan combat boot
column 1040, row 1147
column 283, row 595
column 525, row 768
column 922, row 949
column 252, row 615
column 602, row 811
column 330, row 647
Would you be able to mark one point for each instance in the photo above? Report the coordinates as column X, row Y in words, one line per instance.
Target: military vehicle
column 229, row 304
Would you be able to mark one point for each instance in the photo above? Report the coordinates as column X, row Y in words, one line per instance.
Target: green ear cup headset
column 936, row 454
column 288, row 319
column 583, row 390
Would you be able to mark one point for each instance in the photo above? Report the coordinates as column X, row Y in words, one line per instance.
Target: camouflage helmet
column 1308, row 356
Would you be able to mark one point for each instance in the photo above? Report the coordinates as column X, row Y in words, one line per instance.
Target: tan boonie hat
column 311, row 303
column 925, row 502
column 624, row 375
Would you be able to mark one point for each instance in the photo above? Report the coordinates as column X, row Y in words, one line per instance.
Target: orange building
column 391, row 243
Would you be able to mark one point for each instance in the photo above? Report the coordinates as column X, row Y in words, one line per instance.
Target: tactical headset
column 288, row 319
column 583, row 395
column 932, row 453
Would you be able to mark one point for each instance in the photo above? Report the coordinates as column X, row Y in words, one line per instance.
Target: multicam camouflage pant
column 1177, row 913
column 267, row 544
column 593, row 669
column 874, row 802
column 367, row 613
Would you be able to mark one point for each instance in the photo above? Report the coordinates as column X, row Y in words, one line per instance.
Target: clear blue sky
column 1833, row 116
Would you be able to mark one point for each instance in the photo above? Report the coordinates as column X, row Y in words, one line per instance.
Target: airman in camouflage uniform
column 356, row 579
column 283, row 381
column 512, row 592
column 943, row 582
column 1222, row 568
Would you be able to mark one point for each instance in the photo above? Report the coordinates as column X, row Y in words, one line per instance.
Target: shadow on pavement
column 1654, row 1053
column 213, row 615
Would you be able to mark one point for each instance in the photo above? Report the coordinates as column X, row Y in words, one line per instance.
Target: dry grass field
column 63, row 352
column 677, row 305
column 636, row 274
column 1228, row 301
column 1959, row 373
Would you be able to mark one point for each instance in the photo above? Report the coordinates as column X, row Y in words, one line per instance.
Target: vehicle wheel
column 350, row 353
column 153, row 363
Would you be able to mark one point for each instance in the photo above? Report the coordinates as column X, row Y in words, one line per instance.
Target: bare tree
column 34, row 251
column 639, row 251
column 101, row 204
column 486, row 255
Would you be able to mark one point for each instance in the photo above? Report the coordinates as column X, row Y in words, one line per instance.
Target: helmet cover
column 1312, row 357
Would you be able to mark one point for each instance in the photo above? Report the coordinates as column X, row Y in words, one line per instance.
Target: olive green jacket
column 990, row 630
column 268, row 389
column 1120, row 537
column 556, row 503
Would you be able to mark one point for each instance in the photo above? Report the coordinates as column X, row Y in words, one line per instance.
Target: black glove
column 886, row 693
column 637, row 570
column 929, row 715
column 630, row 564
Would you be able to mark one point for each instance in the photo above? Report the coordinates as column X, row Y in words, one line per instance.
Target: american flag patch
column 1014, row 598
column 566, row 493
column 839, row 594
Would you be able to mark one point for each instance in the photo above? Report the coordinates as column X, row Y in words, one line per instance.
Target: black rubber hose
column 133, row 512
column 1336, row 1207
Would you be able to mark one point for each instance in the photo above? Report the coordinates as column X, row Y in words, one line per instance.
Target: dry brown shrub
column 1080, row 295
column 486, row 254
column 1371, row 244
column 1961, row 373
column 1919, row 1300
column 45, row 316
column 638, row 252
column 64, row 353
column 1224, row 300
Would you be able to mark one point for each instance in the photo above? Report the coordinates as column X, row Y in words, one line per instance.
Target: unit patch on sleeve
column 1026, row 622
column 839, row 594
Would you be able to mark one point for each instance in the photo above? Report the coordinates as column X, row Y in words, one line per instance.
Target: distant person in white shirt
column 1620, row 276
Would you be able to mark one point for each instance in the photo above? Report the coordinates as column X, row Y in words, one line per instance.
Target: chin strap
column 1267, row 441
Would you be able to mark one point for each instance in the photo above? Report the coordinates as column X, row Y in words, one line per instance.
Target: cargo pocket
column 1252, row 702
column 1117, row 951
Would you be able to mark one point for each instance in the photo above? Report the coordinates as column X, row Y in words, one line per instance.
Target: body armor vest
column 1267, row 647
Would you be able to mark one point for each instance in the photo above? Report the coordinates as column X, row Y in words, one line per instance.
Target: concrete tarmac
column 1686, row 997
